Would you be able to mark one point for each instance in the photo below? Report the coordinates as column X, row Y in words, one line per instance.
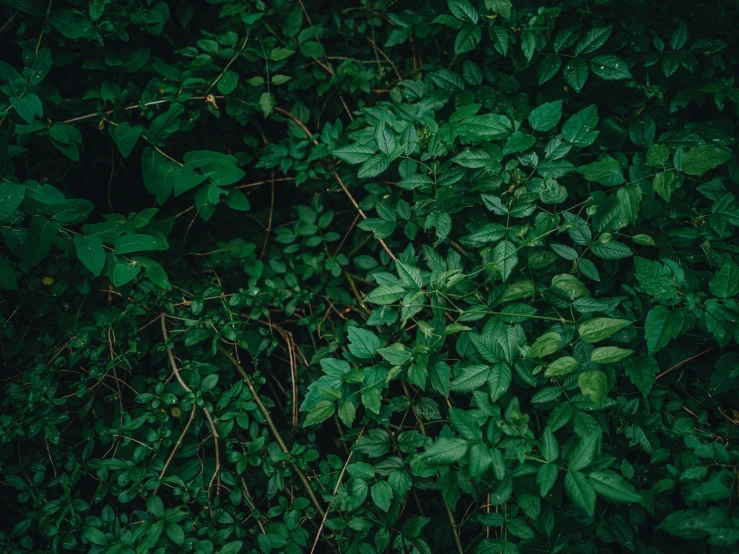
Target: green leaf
column 90, row 251
column 570, row 285
column 465, row 424
column 363, row 343
column 505, row 257
column 128, row 244
column 725, row 282
column 41, row 233
column 609, row 354
column 701, row 159
column 548, row 445
column 29, row 107
column 354, row 153
column 594, row 39
column 233, row 547
column 546, row 477
column 657, row 155
column 576, row 73
column 602, row 169
column 518, row 142
column 155, row 272
column 463, row 10
column 468, row 37
column 662, row 325
column 546, row 344
column 267, row 103
column 580, row 491
column 228, row 82
column 445, row 451
column 662, row 184
column 70, row 24
column 548, row 68
column 11, row 197
column 499, row 380
column 320, row 412
column 613, row 487
column 610, row 68
column 601, row 328
column 155, row 505
column 502, row 7
column 385, row 138
column 382, row 495
column 124, row 273
column 386, row 294
column 471, row 378
column 594, row 385
column 125, row 136
column 546, row 117
column 8, row 280
column 374, row 166
column 642, row 371
column 561, row 366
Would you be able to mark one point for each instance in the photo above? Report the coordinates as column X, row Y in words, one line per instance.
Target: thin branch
column 336, row 488
column 177, row 444
column 395, row 69
column 336, row 175
column 678, row 364
column 271, row 212
column 212, row 425
column 273, row 428
column 134, row 106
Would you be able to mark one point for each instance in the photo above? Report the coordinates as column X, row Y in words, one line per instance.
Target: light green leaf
column 610, row 68
column 382, row 495
column 662, row 325
column 505, row 257
column 546, row 117
column 374, row 166
column 725, row 282
column 612, row 486
column 546, row 477
column 320, row 412
column 546, row 344
column 609, row 354
column 601, row 328
column 128, row 244
column 594, row 385
column 600, row 170
column 700, row 159
column 562, row 366
column 580, row 491
column 576, row 73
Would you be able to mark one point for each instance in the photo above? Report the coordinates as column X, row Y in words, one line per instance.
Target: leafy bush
column 379, row 277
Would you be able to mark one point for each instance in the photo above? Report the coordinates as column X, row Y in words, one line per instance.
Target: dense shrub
column 369, row 277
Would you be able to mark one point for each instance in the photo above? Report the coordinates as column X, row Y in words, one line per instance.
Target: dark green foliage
column 375, row 277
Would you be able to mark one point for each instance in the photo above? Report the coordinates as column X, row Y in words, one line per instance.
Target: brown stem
column 678, row 364
column 336, row 488
column 273, row 428
column 176, row 372
column 177, row 445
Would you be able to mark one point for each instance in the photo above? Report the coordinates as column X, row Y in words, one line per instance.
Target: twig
column 273, row 428
column 271, row 211
column 665, row 372
column 453, row 524
column 177, row 444
column 133, row 107
column 212, row 425
column 336, row 488
column 395, row 69
column 336, row 175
